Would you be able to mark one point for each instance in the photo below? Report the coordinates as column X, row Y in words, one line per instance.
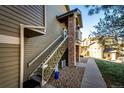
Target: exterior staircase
column 86, row 49
column 45, row 63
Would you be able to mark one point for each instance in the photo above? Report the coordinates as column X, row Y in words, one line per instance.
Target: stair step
column 38, row 72
column 46, row 59
column 36, row 78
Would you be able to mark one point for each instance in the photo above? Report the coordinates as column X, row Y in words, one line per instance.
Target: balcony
column 78, row 37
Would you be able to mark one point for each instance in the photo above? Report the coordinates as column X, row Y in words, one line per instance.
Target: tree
column 112, row 25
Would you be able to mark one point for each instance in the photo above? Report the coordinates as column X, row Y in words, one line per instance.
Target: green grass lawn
column 113, row 73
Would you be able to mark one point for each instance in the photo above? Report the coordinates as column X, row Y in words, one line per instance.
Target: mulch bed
column 70, row 77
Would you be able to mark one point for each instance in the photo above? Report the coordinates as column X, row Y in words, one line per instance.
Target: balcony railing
column 79, row 35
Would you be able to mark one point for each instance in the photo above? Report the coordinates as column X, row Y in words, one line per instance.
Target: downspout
column 21, row 54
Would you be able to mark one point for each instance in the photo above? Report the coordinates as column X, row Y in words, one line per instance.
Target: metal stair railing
column 43, row 58
column 45, row 50
column 48, row 63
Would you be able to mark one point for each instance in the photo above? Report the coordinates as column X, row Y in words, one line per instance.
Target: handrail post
column 65, row 33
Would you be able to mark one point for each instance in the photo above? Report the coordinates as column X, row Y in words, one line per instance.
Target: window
column 108, row 55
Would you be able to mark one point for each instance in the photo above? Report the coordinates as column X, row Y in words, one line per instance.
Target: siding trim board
column 9, row 39
column 21, row 55
column 45, row 19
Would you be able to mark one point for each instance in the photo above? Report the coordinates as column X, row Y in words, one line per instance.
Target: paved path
column 92, row 77
column 82, row 62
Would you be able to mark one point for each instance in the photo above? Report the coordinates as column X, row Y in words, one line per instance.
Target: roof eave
column 64, row 17
column 67, row 7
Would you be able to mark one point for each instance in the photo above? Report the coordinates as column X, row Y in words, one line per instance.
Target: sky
column 88, row 21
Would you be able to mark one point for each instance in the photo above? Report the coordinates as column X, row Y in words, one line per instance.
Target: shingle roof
column 109, row 50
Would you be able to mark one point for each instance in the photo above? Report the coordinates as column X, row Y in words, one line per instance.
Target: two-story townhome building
column 91, row 48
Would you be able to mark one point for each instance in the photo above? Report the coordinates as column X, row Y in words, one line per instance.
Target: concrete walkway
column 92, row 76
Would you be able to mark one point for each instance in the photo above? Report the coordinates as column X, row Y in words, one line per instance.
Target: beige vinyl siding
column 12, row 16
column 10, row 19
column 9, row 65
column 33, row 46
